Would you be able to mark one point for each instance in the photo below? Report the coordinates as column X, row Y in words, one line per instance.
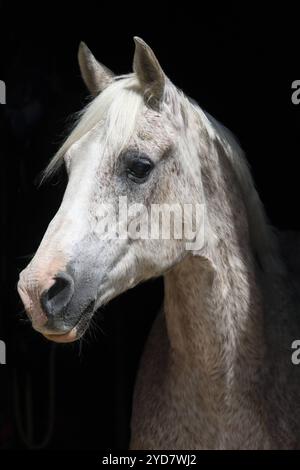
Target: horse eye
column 139, row 169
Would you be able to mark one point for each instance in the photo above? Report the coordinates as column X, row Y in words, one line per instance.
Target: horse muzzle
column 48, row 301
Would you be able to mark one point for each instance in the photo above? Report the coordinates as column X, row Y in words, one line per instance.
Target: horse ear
column 95, row 75
column 149, row 72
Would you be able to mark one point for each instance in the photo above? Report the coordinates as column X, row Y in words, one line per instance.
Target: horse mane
column 116, row 108
column 263, row 238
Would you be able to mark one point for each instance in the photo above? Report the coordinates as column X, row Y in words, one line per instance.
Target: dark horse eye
column 138, row 169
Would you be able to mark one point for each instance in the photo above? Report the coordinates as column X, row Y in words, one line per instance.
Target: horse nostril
column 58, row 296
column 60, row 284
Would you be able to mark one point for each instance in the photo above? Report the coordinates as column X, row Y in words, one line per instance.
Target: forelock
column 116, row 109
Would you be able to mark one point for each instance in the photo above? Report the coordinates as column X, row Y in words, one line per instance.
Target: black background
column 239, row 64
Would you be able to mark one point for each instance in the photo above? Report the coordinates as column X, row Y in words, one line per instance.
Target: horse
column 216, row 371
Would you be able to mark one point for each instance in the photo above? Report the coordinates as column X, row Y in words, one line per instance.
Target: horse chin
column 69, row 337
column 77, row 331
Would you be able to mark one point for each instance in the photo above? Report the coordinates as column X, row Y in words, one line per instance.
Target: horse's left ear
column 149, row 72
column 95, row 75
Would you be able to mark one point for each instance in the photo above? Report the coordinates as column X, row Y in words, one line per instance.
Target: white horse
column 216, row 372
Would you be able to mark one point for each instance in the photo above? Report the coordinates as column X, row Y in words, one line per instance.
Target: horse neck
column 213, row 306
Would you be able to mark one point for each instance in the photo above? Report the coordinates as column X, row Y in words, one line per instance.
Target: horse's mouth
column 77, row 331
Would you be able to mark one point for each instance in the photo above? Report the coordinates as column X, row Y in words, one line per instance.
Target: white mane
column 264, row 240
column 116, row 108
